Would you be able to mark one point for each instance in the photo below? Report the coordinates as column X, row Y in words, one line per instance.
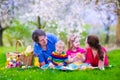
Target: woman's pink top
column 73, row 53
column 94, row 60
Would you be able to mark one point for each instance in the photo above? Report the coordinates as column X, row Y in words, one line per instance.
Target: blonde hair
column 71, row 39
column 60, row 42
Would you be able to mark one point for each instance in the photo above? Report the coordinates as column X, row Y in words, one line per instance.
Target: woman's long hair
column 93, row 42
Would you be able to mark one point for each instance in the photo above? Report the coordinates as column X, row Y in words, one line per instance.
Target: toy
column 79, row 55
column 36, row 62
column 28, row 50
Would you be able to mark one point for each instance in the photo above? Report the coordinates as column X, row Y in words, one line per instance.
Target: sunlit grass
column 38, row 74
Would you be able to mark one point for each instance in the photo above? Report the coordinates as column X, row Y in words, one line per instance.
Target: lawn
column 34, row 73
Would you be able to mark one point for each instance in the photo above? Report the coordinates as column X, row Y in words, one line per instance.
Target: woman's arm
column 101, row 63
column 83, row 57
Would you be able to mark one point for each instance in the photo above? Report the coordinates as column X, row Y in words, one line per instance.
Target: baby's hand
column 51, row 65
column 60, row 64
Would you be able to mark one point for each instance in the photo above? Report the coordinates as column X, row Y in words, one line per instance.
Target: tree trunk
column 38, row 21
column 107, row 35
column 1, row 37
column 118, row 30
column 96, row 2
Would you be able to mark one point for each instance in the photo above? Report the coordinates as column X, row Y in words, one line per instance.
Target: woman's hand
column 101, row 65
column 51, row 65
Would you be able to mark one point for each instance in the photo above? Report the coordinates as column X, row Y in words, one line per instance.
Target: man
column 44, row 45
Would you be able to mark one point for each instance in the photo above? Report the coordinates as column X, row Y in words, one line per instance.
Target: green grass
column 33, row 73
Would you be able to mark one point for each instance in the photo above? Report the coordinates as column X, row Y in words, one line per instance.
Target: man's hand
column 42, row 63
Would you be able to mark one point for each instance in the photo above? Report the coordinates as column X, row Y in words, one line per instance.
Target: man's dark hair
column 37, row 33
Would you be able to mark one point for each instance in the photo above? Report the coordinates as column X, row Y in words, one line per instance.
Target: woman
column 96, row 54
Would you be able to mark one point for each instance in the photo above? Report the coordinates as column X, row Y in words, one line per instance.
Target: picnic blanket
column 71, row 66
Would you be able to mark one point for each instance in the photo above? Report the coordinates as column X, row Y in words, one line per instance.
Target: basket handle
column 18, row 42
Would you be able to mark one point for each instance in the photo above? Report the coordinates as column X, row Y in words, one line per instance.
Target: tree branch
column 96, row 2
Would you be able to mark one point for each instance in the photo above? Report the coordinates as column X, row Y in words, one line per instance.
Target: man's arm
column 38, row 53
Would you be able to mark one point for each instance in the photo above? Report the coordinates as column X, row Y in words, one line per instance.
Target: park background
column 19, row 18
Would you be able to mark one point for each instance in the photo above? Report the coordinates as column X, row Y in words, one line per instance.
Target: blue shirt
column 44, row 54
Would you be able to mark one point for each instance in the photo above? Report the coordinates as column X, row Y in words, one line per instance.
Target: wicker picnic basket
column 26, row 60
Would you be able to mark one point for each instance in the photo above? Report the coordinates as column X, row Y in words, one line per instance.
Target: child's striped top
column 56, row 58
